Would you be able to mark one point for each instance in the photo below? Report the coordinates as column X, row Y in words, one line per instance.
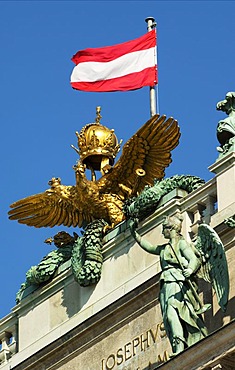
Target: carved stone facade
column 117, row 324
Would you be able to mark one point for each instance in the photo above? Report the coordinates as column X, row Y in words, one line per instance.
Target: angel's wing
column 214, row 264
column 144, row 157
column 56, row 206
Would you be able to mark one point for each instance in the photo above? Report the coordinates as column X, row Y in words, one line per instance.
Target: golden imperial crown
column 98, row 145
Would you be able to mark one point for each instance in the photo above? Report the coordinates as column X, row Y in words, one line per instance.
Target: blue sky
column 40, row 112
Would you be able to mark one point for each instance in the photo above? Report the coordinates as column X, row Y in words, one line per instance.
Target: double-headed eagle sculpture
column 144, row 158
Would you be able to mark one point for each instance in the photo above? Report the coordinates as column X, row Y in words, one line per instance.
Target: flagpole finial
column 151, row 23
column 98, row 115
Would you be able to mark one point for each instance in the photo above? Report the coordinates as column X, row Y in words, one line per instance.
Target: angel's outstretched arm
column 144, row 244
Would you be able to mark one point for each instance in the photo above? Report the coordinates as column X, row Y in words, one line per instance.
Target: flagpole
column 152, row 92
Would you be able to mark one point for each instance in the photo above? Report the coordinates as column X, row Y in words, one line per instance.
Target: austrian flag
column 127, row 66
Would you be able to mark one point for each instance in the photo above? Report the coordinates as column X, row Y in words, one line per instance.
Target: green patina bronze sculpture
column 46, row 269
column 226, row 127
column 147, row 202
column 181, row 263
column 85, row 253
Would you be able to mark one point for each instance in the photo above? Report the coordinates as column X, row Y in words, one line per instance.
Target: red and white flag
column 127, row 66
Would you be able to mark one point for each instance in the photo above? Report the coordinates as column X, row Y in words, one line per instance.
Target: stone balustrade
column 8, row 337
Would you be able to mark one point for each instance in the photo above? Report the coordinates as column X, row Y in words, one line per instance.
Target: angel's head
column 172, row 223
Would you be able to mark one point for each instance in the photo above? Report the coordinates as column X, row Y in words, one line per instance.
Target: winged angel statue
column 182, row 262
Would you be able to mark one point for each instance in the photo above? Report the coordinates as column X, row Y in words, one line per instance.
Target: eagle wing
column 61, row 205
column 144, row 157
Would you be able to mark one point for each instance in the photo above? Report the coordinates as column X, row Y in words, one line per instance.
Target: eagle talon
column 107, row 228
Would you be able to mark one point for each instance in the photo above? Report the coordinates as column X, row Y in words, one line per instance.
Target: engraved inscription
column 134, row 347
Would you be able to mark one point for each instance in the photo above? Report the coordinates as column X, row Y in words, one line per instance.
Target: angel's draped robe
column 176, row 293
